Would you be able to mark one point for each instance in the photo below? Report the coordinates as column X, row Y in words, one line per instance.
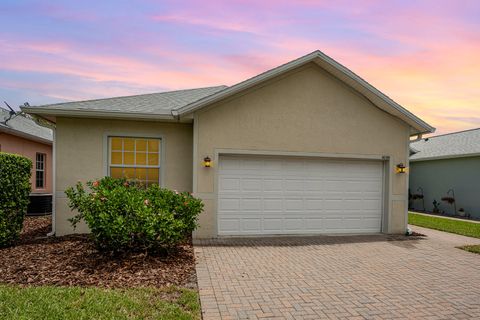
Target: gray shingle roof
column 24, row 126
column 452, row 145
column 153, row 103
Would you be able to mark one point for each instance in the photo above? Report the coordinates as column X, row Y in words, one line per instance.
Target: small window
column 135, row 158
column 40, row 171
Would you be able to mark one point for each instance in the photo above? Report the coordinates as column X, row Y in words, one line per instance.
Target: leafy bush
column 124, row 216
column 15, row 172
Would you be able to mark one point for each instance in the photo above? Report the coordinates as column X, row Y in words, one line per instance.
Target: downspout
column 407, row 181
column 54, row 189
column 175, row 114
column 48, row 124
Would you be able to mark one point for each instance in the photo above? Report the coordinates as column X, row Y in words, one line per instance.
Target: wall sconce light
column 207, row 162
column 401, row 168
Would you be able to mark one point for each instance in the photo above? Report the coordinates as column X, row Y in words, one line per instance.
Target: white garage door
column 285, row 195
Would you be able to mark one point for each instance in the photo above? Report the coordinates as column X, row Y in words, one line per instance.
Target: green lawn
column 64, row 303
column 466, row 228
column 472, row 248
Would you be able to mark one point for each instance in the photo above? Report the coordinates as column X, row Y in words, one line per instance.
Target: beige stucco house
column 305, row 148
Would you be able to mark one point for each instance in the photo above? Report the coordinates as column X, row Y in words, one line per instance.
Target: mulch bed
column 73, row 261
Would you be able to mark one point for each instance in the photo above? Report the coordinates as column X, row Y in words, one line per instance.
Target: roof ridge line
column 450, row 133
column 315, row 52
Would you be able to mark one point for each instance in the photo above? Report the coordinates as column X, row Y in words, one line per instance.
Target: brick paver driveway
column 361, row 277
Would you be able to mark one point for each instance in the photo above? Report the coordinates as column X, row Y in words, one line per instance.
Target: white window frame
column 44, row 162
column 108, row 153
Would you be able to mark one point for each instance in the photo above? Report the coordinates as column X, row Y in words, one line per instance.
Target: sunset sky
column 423, row 54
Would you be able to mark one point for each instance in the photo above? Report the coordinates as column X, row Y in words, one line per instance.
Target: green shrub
column 125, row 216
column 15, row 172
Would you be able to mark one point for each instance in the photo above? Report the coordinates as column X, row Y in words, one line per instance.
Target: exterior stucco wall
column 28, row 148
column 436, row 177
column 304, row 111
column 80, row 153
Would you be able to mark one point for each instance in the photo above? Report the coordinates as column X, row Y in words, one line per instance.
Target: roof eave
column 418, row 131
column 25, row 135
column 98, row 114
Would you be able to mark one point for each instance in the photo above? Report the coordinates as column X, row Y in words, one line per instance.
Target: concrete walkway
column 339, row 277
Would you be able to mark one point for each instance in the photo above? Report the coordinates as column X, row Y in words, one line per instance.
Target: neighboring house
column 443, row 163
column 305, row 148
column 21, row 135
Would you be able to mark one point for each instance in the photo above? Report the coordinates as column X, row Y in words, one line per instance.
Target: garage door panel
column 314, row 224
column 273, row 225
column 333, row 204
column 333, row 224
column 252, row 225
column 272, row 184
column 251, row 184
column 254, row 204
column 270, row 165
column 351, row 223
column 231, row 164
column 371, row 223
column 352, row 204
column 294, row 204
column 276, row 195
column 314, row 204
column 373, row 205
column 273, row 204
column 230, row 184
column 293, row 184
column 353, row 195
column 229, row 226
column 314, row 185
column 363, row 186
column 226, row 204
column 334, row 185
column 293, row 224
column 249, row 165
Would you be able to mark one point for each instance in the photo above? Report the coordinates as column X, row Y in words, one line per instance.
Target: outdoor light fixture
column 207, row 162
column 401, row 168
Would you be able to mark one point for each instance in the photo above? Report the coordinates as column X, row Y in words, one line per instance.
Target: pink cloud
column 215, row 24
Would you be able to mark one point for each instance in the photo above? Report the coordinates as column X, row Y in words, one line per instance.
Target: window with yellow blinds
column 135, row 158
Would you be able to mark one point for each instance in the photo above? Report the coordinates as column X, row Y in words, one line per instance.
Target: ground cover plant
column 466, row 228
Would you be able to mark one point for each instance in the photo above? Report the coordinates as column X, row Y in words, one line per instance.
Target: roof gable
column 339, row 71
